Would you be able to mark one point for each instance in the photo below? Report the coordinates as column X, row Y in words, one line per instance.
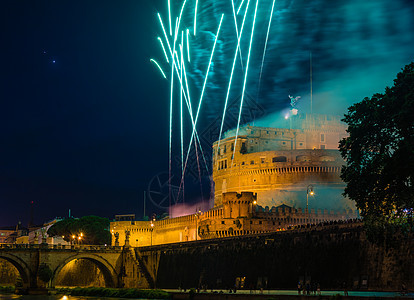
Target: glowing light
column 240, row 6
column 265, row 47
column 245, row 79
column 165, row 33
column 203, row 89
column 231, row 75
column 286, row 117
column 237, row 31
column 170, row 141
column 181, row 104
column 195, row 17
column 188, row 46
column 159, row 67
column 169, row 15
column 294, row 111
column 163, row 49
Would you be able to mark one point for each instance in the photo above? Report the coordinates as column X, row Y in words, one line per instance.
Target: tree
column 44, row 273
column 379, row 153
column 94, row 230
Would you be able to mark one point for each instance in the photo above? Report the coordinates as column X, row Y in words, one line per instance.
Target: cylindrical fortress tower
column 279, row 164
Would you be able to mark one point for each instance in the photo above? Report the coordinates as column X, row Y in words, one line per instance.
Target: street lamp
column 151, row 229
column 309, row 191
column 197, row 215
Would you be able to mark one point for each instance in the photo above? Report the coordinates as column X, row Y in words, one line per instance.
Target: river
column 55, row 297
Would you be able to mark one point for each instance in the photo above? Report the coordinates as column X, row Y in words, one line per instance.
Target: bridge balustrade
column 62, row 247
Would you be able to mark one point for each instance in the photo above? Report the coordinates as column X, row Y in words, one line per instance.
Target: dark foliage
column 379, row 154
column 94, row 230
column 44, row 273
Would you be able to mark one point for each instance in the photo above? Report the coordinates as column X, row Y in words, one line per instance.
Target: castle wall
column 239, row 215
column 278, row 163
column 329, row 255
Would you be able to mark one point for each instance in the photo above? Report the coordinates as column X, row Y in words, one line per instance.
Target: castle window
column 252, row 162
column 260, row 222
column 279, row 159
column 252, row 132
column 225, row 164
column 267, row 132
column 303, row 158
column 284, row 143
column 251, row 148
column 243, row 148
column 300, row 144
column 251, row 222
column 222, row 222
column 323, row 146
column 327, row 158
column 322, row 137
column 225, row 149
column 232, row 147
column 262, row 160
column 242, row 163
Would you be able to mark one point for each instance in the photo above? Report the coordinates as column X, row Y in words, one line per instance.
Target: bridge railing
column 62, row 247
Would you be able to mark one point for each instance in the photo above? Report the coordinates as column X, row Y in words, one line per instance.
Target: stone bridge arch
column 108, row 271
column 29, row 279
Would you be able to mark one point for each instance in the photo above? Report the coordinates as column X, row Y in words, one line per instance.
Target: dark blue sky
column 84, row 114
column 88, row 131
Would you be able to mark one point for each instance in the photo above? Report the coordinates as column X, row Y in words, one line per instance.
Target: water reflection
column 54, row 297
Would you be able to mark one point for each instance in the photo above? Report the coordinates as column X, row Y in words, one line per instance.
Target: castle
column 262, row 183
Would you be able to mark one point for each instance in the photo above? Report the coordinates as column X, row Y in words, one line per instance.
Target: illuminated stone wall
column 329, row 255
column 239, row 215
column 278, row 164
column 8, row 273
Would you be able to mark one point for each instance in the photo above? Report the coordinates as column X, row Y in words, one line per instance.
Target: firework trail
column 275, row 58
column 179, row 70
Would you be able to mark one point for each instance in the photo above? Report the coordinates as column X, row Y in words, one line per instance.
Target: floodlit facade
column 278, row 164
column 262, row 184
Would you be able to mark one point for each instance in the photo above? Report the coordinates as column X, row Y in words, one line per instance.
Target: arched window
column 279, row 159
column 303, row 158
column 327, row 158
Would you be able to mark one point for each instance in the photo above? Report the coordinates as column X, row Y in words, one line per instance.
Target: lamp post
column 151, row 229
column 309, row 190
column 197, row 215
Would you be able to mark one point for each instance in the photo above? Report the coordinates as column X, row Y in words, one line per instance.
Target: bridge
column 119, row 266
column 328, row 254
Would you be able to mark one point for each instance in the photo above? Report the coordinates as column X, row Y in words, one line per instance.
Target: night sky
column 84, row 114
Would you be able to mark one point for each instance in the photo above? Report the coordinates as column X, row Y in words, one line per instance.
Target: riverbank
column 114, row 293
column 286, row 295
column 8, row 289
column 94, row 291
